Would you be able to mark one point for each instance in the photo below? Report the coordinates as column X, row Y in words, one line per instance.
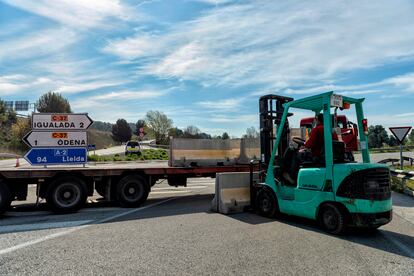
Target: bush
column 146, row 154
column 397, row 184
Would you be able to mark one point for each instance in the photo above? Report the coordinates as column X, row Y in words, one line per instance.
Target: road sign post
column 400, row 133
column 58, row 139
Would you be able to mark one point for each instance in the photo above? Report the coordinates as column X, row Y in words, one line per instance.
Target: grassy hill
column 102, row 139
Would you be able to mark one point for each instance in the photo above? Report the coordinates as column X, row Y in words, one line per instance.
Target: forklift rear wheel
column 5, row 197
column 267, row 203
column 332, row 219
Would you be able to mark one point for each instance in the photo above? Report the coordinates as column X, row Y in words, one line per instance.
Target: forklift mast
column 271, row 111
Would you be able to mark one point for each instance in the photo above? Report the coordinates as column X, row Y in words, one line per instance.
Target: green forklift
column 333, row 189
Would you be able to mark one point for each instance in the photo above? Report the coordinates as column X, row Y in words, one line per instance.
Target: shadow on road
column 184, row 205
column 402, row 200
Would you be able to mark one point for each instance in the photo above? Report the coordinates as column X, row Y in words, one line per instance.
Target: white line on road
column 169, row 192
column 176, row 188
column 41, row 226
column 77, row 228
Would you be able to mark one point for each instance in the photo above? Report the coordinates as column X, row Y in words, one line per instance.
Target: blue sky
column 206, row 62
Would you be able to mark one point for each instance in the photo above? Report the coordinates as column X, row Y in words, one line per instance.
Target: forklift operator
column 316, row 140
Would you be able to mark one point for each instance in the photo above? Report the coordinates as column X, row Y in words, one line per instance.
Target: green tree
column 18, row 131
column 203, row 135
column 251, row 132
column 175, row 132
column 411, row 137
column 377, row 136
column 160, row 124
column 139, row 124
column 121, row 131
column 392, row 142
column 191, row 132
column 53, row 102
column 225, row 136
column 102, row 126
column 7, row 117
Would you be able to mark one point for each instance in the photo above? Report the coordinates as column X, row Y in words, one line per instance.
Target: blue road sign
column 91, row 147
column 58, row 156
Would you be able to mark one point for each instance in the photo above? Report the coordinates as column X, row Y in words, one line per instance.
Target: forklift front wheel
column 332, row 219
column 267, row 204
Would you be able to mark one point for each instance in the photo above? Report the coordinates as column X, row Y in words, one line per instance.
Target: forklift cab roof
column 316, row 103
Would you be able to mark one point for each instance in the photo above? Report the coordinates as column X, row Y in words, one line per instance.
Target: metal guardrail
column 391, row 149
column 403, row 175
column 393, row 160
column 9, row 155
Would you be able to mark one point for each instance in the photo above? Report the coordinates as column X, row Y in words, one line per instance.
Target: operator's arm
column 312, row 138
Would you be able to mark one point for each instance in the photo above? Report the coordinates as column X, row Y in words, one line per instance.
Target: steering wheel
column 299, row 141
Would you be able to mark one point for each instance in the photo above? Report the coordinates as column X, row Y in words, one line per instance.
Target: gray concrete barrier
column 403, row 175
column 212, row 152
column 232, row 193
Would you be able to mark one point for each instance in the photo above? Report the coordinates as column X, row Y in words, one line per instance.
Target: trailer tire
column 132, row 191
column 332, row 219
column 66, row 194
column 5, row 197
column 266, row 203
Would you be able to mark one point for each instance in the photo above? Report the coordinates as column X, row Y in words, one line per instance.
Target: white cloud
column 226, row 104
column 214, row 2
column 76, row 13
column 406, row 81
column 409, row 114
column 274, row 43
column 86, row 86
column 130, row 95
column 12, row 84
column 37, row 44
column 141, row 45
column 246, row 118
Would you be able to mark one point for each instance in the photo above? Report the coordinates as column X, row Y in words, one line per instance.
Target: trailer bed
column 153, row 168
column 66, row 188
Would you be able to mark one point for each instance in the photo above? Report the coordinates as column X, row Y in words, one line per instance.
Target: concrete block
column 212, row 152
column 232, row 192
column 409, row 192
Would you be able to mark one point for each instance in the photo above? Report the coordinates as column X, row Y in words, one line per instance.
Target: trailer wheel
column 332, row 219
column 266, row 203
column 5, row 197
column 132, row 191
column 66, row 194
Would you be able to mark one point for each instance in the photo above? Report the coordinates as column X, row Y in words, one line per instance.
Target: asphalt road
column 118, row 149
column 376, row 157
column 175, row 233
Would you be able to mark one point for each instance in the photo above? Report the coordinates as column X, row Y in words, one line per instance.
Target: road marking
column 41, row 226
column 173, row 188
column 169, row 192
column 407, row 250
column 77, row 228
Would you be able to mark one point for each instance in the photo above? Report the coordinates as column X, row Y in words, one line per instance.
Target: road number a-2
column 41, row 159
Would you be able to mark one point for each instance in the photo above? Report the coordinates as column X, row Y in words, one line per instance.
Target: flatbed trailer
column 66, row 188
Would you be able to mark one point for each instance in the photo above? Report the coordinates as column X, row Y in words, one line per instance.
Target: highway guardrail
column 403, row 175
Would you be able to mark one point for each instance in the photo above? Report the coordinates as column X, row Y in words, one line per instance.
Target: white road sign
column 400, row 132
column 336, row 100
column 58, row 138
column 72, row 121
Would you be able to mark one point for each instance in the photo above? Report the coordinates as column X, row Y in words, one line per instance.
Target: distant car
column 132, row 147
